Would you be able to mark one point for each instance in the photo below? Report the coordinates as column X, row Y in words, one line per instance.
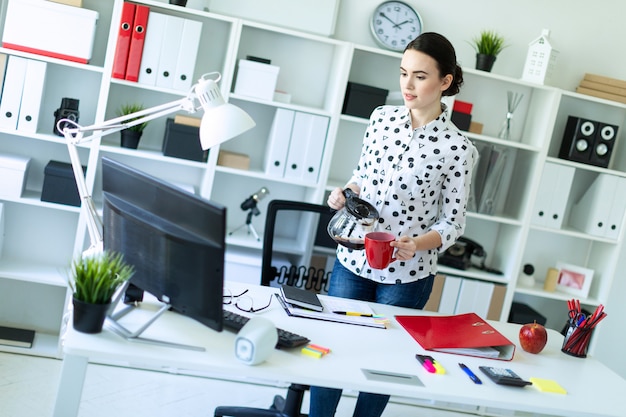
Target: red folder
column 461, row 334
column 123, row 40
column 137, row 41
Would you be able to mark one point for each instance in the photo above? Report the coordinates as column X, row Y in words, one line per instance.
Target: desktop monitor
column 174, row 239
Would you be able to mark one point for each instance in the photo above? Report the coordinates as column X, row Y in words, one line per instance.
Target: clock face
column 394, row 24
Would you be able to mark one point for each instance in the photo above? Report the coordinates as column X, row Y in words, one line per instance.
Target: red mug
column 378, row 250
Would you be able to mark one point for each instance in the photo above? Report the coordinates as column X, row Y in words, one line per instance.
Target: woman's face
column 420, row 81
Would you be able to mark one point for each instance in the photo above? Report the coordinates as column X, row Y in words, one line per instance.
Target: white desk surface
column 592, row 388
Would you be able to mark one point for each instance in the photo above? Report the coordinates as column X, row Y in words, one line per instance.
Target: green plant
column 132, row 108
column 94, row 279
column 488, row 42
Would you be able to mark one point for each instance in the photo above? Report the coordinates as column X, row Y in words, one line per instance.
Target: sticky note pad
column 311, row 352
column 547, row 385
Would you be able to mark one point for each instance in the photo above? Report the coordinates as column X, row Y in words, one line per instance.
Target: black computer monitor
column 173, row 238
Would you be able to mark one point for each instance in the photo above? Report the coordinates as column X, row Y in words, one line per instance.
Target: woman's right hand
column 336, row 199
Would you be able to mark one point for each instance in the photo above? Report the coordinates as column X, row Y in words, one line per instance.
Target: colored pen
column 427, row 363
column 471, row 374
column 353, row 313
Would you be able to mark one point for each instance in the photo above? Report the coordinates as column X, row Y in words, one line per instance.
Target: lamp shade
column 221, row 120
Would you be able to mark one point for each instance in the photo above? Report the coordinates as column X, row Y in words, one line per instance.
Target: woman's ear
column 446, row 82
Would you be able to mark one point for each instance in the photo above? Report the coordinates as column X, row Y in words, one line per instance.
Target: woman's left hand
column 406, row 248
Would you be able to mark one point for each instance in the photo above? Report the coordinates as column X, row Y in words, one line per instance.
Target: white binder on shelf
column 474, row 297
column 187, row 55
column 618, row 208
column 450, row 294
column 553, row 195
column 278, row 142
column 4, row 58
column 315, row 148
column 308, row 135
column 12, row 92
column 152, row 48
column 32, row 94
column 170, row 44
column 591, row 213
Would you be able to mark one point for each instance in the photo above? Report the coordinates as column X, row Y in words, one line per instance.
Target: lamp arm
column 124, row 122
column 75, row 135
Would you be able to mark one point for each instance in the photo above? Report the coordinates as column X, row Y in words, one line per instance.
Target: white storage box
column 255, row 79
column 50, row 29
column 13, row 170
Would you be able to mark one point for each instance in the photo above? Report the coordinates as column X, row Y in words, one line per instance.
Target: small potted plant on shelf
column 130, row 136
column 487, row 45
column 94, row 280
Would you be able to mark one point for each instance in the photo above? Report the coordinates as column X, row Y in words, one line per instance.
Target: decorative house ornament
column 540, row 60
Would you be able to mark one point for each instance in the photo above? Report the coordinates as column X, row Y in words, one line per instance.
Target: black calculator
column 503, row 376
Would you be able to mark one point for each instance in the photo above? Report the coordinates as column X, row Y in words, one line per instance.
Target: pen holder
column 576, row 340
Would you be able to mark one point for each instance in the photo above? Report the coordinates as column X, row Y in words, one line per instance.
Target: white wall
column 588, row 35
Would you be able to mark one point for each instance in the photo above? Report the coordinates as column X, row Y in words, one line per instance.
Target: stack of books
column 603, row 87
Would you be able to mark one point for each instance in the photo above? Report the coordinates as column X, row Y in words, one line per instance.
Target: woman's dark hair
column 441, row 50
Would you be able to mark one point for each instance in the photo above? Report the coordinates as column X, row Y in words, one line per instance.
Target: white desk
column 593, row 389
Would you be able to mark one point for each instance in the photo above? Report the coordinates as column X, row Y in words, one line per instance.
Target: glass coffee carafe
column 349, row 225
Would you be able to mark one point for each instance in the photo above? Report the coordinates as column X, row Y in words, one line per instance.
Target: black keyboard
column 286, row 339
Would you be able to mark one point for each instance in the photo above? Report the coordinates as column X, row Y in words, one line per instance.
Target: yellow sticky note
column 311, row 352
column 547, row 385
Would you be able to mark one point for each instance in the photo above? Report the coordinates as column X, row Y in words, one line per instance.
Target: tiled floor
column 28, row 387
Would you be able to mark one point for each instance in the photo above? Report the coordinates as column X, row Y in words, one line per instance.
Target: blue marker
column 471, row 374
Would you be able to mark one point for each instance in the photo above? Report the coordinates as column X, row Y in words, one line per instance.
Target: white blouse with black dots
column 418, row 180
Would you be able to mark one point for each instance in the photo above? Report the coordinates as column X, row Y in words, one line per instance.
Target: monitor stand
column 116, row 327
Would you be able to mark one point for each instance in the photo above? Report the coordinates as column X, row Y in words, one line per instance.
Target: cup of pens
column 580, row 328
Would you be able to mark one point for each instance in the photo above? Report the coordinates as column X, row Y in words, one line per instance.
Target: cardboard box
column 13, row 171
column 255, row 79
column 50, row 29
column 75, row 3
column 233, row 160
column 183, row 141
column 476, row 127
column 361, row 100
column 59, row 184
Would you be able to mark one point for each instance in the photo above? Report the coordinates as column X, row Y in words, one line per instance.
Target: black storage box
column 523, row 314
column 183, row 141
column 461, row 120
column 362, row 99
column 59, row 185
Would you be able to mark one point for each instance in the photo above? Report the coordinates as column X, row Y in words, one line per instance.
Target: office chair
column 296, row 219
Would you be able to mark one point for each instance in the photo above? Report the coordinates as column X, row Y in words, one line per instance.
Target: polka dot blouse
column 418, row 180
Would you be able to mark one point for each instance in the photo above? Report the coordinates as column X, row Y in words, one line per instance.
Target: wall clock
column 394, row 24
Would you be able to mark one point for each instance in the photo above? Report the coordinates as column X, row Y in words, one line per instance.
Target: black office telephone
column 460, row 254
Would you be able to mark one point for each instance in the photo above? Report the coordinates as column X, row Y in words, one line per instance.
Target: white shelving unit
column 40, row 239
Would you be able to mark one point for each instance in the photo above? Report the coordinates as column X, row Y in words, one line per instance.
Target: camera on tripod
column 68, row 110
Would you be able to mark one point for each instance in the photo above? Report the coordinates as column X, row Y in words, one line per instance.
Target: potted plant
column 487, row 45
column 94, row 280
column 130, row 136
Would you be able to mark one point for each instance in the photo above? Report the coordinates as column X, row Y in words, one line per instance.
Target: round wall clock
column 394, row 24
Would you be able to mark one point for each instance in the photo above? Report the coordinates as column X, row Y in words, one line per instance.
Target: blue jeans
column 344, row 283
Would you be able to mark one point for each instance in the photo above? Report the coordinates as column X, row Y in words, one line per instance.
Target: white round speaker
column 255, row 341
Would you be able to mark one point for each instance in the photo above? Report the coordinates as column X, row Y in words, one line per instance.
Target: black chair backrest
column 304, row 275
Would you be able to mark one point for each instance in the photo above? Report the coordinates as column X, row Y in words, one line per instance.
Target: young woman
column 415, row 168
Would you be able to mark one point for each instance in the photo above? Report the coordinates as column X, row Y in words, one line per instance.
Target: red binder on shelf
column 123, row 41
column 461, row 334
column 138, row 38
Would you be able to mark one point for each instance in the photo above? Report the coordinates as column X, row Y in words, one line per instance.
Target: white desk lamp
column 221, row 121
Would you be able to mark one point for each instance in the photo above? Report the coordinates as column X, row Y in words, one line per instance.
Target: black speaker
column 603, row 146
column 588, row 141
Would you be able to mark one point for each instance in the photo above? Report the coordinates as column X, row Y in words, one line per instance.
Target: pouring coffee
column 349, row 225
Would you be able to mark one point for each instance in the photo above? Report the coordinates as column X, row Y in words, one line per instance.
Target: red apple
column 533, row 337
